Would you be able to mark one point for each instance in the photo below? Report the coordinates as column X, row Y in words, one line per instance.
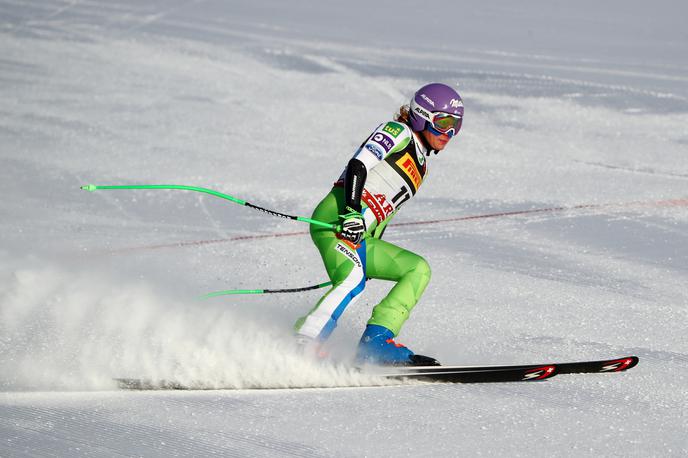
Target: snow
column 576, row 118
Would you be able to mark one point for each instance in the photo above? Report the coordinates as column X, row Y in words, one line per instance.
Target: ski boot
column 377, row 346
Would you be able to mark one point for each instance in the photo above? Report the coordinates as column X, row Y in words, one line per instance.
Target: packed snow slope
column 556, row 224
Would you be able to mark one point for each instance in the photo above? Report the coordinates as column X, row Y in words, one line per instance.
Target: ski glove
column 353, row 226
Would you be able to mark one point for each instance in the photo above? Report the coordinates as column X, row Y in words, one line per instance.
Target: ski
column 608, row 365
column 444, row 374
column 448, row 374
column 580, row 367
column 138, row 384
column 459, row 374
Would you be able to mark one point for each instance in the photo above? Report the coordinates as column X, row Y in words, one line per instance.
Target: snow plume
column 65, row 330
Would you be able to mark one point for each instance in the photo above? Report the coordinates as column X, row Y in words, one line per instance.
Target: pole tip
column 89, row 187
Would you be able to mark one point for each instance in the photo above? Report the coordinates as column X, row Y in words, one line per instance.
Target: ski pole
column 93, row 187
column 263, row 291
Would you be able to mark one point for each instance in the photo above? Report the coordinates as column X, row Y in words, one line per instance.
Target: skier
column 385, row 172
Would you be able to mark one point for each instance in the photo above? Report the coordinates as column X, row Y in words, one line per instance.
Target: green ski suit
column 394, row 159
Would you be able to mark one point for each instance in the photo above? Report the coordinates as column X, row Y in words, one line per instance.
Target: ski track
column 212, row 221
column 103, row 432
column 633, row 170
column 604, row 348
column 106, row 437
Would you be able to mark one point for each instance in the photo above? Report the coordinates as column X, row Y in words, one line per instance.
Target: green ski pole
column 334, row 227
column 263, row 291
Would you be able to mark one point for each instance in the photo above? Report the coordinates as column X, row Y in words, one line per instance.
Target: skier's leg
column 411, row 274
column 345, row 265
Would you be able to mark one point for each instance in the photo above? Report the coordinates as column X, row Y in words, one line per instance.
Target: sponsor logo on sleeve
column 393, row 128
column 384, row 141
column 408, row 166
column 375, row 150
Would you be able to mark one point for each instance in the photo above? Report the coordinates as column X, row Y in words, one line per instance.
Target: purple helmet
column 434, row 98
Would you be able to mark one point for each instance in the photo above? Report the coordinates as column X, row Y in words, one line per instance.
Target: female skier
column 385, row 172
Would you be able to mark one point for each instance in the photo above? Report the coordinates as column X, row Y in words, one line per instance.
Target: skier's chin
column 436, row 142
column 440, row 143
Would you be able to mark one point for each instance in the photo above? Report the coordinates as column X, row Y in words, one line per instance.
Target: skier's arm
column 353, row 225
column 354, row 180
column 369, row 154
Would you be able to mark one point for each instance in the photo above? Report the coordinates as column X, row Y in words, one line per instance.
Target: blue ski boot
column 377, row 346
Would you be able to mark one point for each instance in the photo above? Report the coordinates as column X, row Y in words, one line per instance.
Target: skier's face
column 436, row 142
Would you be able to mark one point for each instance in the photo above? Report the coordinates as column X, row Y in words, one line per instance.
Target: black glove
column 353, row 226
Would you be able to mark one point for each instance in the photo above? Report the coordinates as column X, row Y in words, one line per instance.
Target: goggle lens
column 444, row 122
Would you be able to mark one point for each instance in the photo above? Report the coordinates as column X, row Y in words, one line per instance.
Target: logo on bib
column 409, row 168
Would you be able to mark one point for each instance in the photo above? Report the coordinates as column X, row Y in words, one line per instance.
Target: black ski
column 144, row 384
column 607, row 365
column 446, row 374
column 462, row 374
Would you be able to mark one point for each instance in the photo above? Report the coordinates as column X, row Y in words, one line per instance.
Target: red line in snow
column 497, row 215
column 205, row 242
column 659, row 203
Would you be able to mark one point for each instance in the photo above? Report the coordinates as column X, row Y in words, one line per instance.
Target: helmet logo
column 421, row 112
column 427, row 99
column 456, row 103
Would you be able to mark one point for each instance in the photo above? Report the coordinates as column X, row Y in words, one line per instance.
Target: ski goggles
column 445, row 123
column 440, row 122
